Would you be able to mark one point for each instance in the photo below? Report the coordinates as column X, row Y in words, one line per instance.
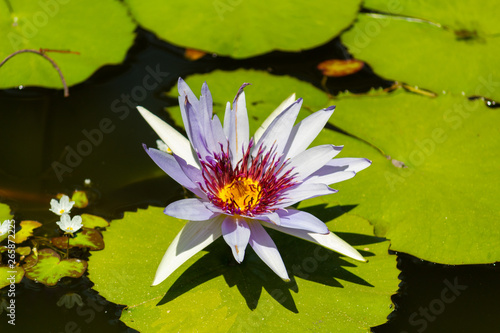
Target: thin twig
column 41, row 52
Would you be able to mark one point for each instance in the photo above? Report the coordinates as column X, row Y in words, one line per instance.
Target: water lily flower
column 69, row 225
column 5, row 226
column 243, row 184
column 62, row 206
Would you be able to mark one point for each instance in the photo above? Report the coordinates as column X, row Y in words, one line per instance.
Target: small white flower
column 69, row 300
column 62, row 206
column 70, row 225
column 4, row 227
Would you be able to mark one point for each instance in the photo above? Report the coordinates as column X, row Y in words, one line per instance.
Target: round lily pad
column 10, row 275
column 26, row 231
column 101, row 32
column 93, row 221
column 47, row 267
column 327, row 291
column 242, row 29
column 86, row 238
column 428, row 55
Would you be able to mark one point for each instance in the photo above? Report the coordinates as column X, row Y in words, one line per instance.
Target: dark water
column 36, row 126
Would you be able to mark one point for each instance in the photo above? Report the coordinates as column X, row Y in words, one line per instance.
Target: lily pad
column 48, row 268
column 327, row 291
column 434, row 58
column 80, row 198
column 26, row 231
column 93, row 221
column 242, row 29
column 100, row 30
column 464, row 15
column 9, row 275
column 429, row 197
column 86, row 238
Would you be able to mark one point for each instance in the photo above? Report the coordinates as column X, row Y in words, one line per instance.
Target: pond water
column 37, row 124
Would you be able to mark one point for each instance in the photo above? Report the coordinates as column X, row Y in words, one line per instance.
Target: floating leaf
column 10, row 275
column 243, row 29
column 49, row 268
column 26, row 231
column 86, row 238
column 80, row 199
column 23, row 250
column 357, row 295
column 429, row 197
column 340, row 67
column 434, row 58
column 193, row 54
column 100, row 30
column 93, row 221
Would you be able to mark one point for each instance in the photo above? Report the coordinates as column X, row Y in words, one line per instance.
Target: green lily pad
column 434, row 58
column 80, row 198
column 93, row 221
column 436, row 196
column 242, row 29
column 429, row 197
column 86, row 238
column 26, row 231
column 327, row 290
column 9, row 275
column 48, row 268
column 464, row 15
column 100, row 30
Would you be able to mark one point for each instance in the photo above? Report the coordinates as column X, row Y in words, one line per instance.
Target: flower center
column 61, row 211
column 243, row 193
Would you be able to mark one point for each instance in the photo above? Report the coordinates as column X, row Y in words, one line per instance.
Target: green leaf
column 9, row 275
column 26, row 231
column 442, row 206
column 327, row 290
column 100, row 30
column 93, row 221
column 459, row 15
column 48, row 268
column 80, row 199
column 428, row 55
column 86, row 238
column 242, row 29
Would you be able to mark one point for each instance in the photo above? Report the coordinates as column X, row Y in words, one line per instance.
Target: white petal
column 194, row 237
column 189, row 209
column 331, row 178
column 276, row 135
column 265, row 248
column 175, row 140
column 284, row 105
column 236, row 234
column 305, row 191
column 350, row 163
column 304, row 133
column 330, row 241
column 237, row 128
column 311, row 160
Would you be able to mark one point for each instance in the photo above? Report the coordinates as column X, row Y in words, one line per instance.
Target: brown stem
column 41, row 53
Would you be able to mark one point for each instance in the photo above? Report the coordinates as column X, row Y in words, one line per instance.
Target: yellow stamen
column 244, row 193
column 61, row 211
